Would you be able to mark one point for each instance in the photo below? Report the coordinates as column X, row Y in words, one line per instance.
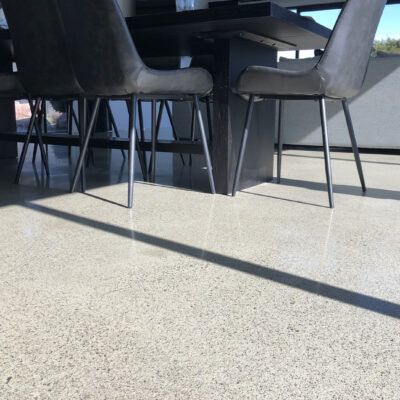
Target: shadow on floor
column 375, row 193
column 109, row 168
column 283, row 199
column 293, row 281
column 342, row 159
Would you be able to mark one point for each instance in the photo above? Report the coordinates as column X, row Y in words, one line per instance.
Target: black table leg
column 231, row 57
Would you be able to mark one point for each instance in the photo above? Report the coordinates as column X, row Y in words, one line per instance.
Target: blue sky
column 388, row 28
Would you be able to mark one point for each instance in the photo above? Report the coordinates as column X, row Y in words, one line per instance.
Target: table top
column 192, row 32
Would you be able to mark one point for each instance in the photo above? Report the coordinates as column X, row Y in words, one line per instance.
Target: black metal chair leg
column 205, row 145
column 74, row 116
column 80, row 164
column 142, row 132
column 192, row 132
column 44, row 107
column 140, row 153
column 209, row 120
column 69, row 124
column 328, row 169
column 114, row 125
column 44, row 150
column 158, row 126
column 27, row 140
column 242, row 150
column 350, row 127
column 37, row 124
column 34, row 153
column 174, row 133
column 42, row 117
column 280, row 140
column 153, row 141
column 82, row 119
column 39, row 143
column 132, row 142
column 90, row 155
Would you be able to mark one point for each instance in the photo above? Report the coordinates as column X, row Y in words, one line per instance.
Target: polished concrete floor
column 269, row 295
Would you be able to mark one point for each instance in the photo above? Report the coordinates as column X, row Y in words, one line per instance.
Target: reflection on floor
column 269, row 295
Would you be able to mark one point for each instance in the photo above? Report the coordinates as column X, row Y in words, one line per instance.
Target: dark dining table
column 233, row 37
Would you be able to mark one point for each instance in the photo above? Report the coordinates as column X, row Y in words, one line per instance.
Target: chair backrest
column 345, row 60
column 41, row 52
column 105, row 58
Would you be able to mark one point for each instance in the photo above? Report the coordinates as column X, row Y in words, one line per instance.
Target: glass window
column 327, row 18
column 387, row 38
column 3, row 22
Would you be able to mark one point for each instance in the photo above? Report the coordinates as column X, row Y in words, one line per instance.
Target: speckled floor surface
column 269, row 295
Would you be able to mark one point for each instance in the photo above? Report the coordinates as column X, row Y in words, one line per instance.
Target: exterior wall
column 375, row 111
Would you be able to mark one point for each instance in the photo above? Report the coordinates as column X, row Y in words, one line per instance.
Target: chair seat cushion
column 175, row 82
column 269, row 82
column 10, row 85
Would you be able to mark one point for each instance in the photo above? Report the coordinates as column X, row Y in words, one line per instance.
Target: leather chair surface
column 106, row 60
column 6, row 50
column 341, row 71
column 10, row 85
column 43, row 62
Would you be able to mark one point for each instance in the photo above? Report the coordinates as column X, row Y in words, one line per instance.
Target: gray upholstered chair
column 41, row 55
column 338, row 75
column 7, row 54
column 44, row 64
column 107, row 65
column 12, row 89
